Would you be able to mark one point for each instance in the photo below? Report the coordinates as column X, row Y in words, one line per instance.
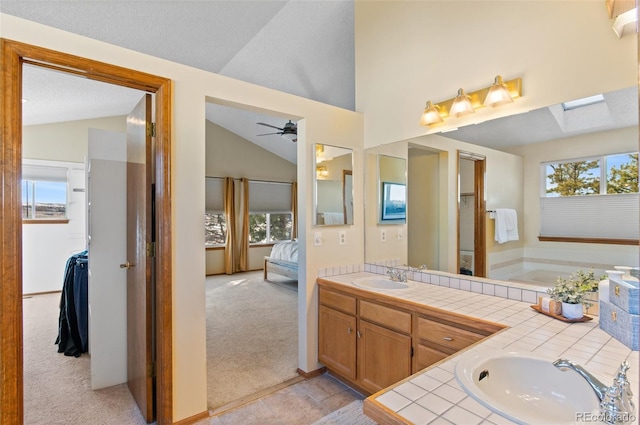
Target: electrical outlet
column 342, row 237
column 383, row 235
column 317, row 239
column 400, row 235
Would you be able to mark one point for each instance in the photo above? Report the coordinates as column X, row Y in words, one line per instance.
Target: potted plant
column 574, row 292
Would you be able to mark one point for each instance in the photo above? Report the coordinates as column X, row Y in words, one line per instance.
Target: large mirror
column 333, row 185
column 515, row 147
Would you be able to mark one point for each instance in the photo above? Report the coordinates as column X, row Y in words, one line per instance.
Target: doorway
column 11, row 339
column 471, row 215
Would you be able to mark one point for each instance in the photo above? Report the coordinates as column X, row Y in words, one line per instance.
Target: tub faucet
column 397, row 275
column 616, row 401
column 417, row 269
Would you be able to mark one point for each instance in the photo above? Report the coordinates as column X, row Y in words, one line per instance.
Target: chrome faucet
column 616, row 401
column 397, row 275
column 417, row 269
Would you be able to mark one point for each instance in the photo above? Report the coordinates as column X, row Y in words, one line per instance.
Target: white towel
column 333, row 218
column 506, row 225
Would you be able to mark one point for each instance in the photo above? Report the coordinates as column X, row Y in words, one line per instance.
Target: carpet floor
column 252, row 334
column 57, row 389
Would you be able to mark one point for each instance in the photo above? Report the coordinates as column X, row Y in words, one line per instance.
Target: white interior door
column 106, row 241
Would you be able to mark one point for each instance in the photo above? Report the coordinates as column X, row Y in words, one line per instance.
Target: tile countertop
column 433, row 396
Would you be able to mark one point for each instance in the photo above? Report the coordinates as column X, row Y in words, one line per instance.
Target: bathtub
column 538, row 277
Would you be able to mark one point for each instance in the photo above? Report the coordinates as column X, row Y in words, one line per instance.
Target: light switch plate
column 342, row 237
column 317, row 239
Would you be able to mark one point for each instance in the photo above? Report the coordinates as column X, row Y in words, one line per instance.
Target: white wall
column 408, row 52
column 318, row 123
column 47, row 247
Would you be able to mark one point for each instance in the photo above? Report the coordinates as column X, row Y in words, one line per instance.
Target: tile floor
column 299, row 404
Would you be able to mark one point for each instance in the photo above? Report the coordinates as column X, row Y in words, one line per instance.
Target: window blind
column 269, row 197
column 613, row 216
column 214, row 194
column 44, row 173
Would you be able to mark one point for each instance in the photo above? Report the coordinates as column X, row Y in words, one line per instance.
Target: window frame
column 268, row 222
column 32, row 200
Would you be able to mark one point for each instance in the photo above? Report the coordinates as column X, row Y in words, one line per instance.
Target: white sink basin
column 379, row 283
column 524, row 388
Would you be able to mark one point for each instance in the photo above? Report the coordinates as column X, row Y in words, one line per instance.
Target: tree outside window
column 215, row 227
column 269, row 227
column 603, row 175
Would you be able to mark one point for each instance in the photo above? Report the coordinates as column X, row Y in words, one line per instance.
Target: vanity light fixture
column 461, row 105
column 430, row 116
column 321, row 171
column 499, row 93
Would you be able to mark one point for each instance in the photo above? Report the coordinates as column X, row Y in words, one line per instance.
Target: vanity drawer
column 338, row 301
column 445, row 335
column 386, row 316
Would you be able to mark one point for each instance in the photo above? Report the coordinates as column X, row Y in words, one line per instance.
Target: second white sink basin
column 379, row 283
column 524, row 388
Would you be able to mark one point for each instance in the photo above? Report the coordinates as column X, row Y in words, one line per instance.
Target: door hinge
column 151, row 129
column 151, row 249
column 151, row 370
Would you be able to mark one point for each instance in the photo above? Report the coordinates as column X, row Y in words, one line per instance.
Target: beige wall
column 65, row 141
column 408, row 52
column 191, row 88
column 229, row 155
column 423, row 238
column 607, row 142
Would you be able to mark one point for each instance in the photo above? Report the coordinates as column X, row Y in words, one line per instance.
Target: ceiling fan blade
column 269, row 125
column 267, row 134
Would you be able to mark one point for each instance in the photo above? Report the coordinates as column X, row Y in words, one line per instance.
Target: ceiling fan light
column 461, row 105
column 290, row 136
column 498, row 94
column 430, row 116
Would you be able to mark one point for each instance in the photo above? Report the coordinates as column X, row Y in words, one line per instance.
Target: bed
column 283, row 260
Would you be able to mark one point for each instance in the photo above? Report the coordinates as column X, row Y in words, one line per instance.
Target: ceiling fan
column 289, row 131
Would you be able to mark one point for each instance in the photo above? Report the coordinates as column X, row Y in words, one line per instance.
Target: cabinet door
column 426, row 356
column 337, row 341
column 384, row 356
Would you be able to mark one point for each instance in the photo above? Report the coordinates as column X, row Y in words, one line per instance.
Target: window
column 44, row 191
column 44, row 200
column 576, row 194
column 215, row 228
column 269, row 227
column 592, row 176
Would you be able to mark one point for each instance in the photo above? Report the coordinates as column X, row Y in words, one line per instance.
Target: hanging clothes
column 73, row 320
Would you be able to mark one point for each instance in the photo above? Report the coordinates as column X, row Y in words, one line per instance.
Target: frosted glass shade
column 461, row 105
column 430, row 116
column 498, row 94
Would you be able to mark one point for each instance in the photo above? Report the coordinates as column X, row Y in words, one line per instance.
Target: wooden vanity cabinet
column 384, row 345
column 365, row 342
column 440, row 335
column 372, row 344
column 337, row 332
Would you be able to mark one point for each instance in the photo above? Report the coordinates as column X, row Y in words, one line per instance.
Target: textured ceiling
column 302, row 47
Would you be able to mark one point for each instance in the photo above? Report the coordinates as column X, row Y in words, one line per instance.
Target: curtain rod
column 251, row 180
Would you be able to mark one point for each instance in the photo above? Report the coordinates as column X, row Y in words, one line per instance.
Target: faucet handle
column 617, row 404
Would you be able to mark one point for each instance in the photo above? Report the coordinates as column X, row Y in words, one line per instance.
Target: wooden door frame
column 479, row 214
column 13, row 56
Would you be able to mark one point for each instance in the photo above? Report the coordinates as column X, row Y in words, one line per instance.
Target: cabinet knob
column 349, row 330
column 358, row 333
column 448, row 338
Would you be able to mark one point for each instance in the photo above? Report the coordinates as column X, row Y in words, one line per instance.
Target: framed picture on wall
column 394, row 201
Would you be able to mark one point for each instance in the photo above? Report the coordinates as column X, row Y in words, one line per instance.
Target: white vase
column 572, row 311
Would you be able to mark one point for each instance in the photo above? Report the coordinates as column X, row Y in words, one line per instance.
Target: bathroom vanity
column 401, row 346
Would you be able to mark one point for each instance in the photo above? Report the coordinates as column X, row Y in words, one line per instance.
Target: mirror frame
column 343, row 191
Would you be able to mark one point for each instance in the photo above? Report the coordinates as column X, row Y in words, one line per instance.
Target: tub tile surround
column 434, row 396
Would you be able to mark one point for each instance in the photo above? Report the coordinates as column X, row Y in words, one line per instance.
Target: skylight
column 585, row 101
